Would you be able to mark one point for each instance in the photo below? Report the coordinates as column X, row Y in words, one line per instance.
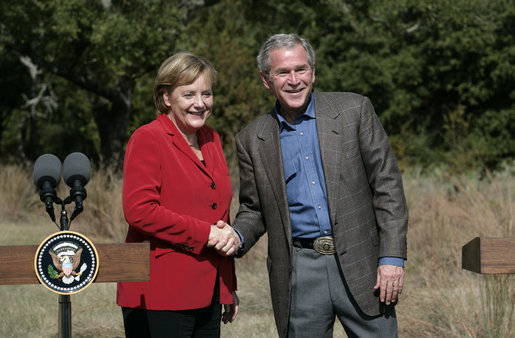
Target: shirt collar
column 308, row 114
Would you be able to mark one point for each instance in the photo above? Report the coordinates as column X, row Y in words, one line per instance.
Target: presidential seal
column 66, row 262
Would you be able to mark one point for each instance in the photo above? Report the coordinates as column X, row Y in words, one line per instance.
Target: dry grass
column 19, row 197
column 103, row 215
column 440, row 299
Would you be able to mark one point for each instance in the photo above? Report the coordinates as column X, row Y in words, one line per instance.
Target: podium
column 128, row 262
column 68, row 262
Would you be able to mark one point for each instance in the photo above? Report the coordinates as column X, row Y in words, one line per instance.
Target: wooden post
column 487, row 255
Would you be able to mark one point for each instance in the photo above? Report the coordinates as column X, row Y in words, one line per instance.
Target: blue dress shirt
column 304, row 174
column 305, row 181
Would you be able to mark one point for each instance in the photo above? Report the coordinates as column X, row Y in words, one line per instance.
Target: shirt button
column 213, row 185
column 213, row 206
column 312, row 182
column 319, row 207
column 301, row 133
column 307, row 157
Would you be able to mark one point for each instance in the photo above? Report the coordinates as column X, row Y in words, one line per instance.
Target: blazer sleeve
column 385, row 180
column 249, row 221
column 141, row 197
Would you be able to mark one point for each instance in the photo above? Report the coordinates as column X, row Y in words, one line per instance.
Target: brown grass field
column 440, row 299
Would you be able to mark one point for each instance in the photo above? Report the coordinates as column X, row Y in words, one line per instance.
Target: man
column 318, row 174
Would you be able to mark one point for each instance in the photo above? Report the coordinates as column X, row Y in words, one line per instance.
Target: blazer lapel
column 207, row 147
column 328, row 128
column 180, row 143
column 271, row 157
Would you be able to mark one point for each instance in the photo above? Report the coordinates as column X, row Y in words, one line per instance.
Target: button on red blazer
column 171, row 199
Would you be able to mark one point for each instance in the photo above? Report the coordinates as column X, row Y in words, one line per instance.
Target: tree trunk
column 112, row 120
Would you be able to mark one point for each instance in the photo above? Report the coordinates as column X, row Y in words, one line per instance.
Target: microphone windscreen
column 76, row 166
column 47, row 167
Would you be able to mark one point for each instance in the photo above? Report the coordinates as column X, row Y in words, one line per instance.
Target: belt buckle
column 324, row 245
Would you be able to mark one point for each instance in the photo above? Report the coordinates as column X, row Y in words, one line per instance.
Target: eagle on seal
column 67, row 265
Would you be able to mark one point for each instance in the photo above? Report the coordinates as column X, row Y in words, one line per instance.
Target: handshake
column 224, row 239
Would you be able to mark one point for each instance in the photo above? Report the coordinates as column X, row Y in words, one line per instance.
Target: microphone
column 76, row 174
column 47, row 175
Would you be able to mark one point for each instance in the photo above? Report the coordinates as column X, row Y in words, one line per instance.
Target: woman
column 176, row 187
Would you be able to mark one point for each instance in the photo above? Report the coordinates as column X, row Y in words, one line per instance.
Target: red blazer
column 171, row 199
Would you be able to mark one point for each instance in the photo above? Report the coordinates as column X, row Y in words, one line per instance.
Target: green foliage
column 440, row 73
column 421, row 64
column 434, row 71
column 93, row 53
column 239, row 94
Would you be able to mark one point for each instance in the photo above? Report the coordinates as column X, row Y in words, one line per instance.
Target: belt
column 323, row 245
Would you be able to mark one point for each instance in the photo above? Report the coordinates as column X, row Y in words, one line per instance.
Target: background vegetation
column 77, row 75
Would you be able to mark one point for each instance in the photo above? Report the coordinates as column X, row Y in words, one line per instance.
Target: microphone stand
column 65, row 305
column 47, row 172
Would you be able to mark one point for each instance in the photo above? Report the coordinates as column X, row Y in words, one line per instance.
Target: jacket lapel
column 328, row 128
column 271, row 157
column 180, row 143
column 207, row 147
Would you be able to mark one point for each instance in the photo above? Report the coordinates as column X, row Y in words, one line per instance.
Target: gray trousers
column 319, row 294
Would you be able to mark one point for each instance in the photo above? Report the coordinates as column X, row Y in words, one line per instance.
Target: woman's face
column 189, row 106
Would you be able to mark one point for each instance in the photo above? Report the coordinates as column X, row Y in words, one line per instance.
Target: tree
column 439, row 73
column 99, row 48
column 239, row 95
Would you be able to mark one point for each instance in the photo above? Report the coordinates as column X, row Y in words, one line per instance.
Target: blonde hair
column 180, row 69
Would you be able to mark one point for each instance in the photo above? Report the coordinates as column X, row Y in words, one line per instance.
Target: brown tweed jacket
column 367, row 206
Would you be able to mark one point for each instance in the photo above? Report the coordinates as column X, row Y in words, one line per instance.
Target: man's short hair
column 287, row 41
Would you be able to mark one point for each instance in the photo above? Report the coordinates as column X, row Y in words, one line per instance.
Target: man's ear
column 264, row 78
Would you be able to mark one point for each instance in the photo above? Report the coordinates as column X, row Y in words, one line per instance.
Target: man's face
column 291, row 79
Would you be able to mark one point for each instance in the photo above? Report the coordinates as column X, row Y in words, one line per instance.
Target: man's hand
column 390, row 281
column 224, row 239
column 231, row 310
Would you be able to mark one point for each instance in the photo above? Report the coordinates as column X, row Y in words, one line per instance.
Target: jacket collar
column 180, row 142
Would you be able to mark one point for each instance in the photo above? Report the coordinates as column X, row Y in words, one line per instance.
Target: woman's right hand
column 224, row 239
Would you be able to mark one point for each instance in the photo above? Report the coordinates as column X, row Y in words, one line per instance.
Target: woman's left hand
column 231, row 310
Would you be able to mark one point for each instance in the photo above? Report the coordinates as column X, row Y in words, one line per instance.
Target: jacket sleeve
column 385, row 180
column 141, row 197
column 249, row 221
